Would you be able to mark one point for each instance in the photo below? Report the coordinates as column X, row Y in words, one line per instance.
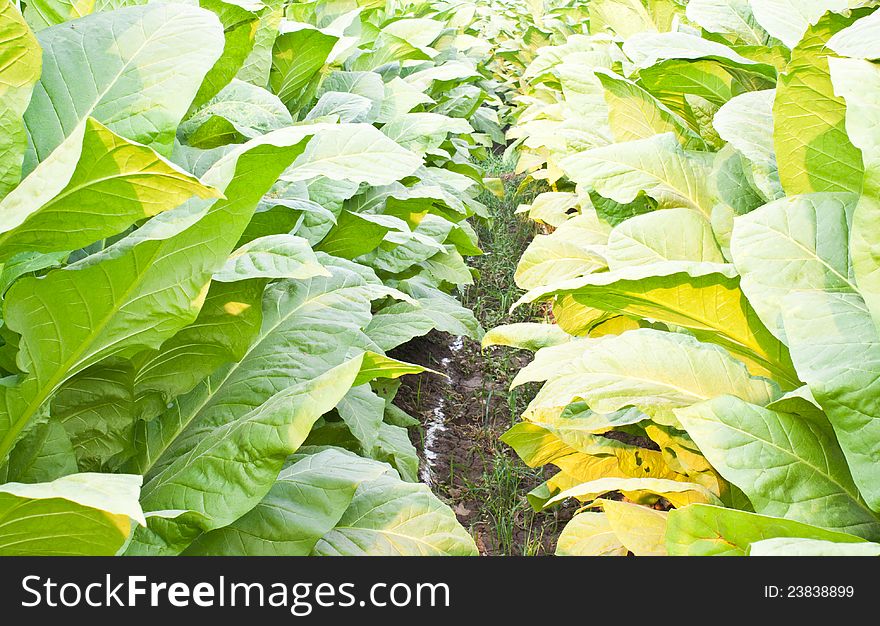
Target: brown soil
column 475, row 401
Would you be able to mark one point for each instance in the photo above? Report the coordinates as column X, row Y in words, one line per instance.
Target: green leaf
column 397, row 323
column 273, row 256
column 94, row 185
column 240, row 111
column 812, row 147
column 359, row 153
column 856, row 81
column 308, row 327
column 299, row 53
column 77, row 515
column 798, row 243
column 45, row 454
column 669, row 235
column 728, row 17
column 104, row 304
column 356, row 234
column 657, row 166
column 421, row 132
column 787, row 466
column 346, row 107
column 362, row 411
column 20, row 65
column 788, row 20
column 305, row 503
column 703, row 530
column 746, row 122
column 227, row 324
column 627, row 17
column 240, row 459
column 41, row 14
column 649, row 49
column 239, row 32
column 119, row 68
column 390, row 517
column 256, row 66
column 97, row 409
column 836, row 349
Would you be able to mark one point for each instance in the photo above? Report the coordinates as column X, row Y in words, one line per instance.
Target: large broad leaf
column 627, row 17
column 421, row 132
column 44, row 454
column 389, row 517
column 651, row 370
column 234, row 463
column 94, row 185
column 240, row 111
column 257, row 65
column 229, row 320
column 788, row 466
column 836, row 349
column 347, row 107
column 77, row 515
column 96, row 411
column 796, row 243
column 359, row 153
column 657, row 166
column 702, row 530
column 728, row 17
column 573, row 249
column 307, row 500
column 308, row 327
column 788, row 20
column 670, row 235
column 746, row 122
column 20, row 63
column 589, row 534
column 812, row 147
column 272, row 256
column 239, row 31
column 857, row 82
column 399, row 322
column 135, row 69
column 634, row 113
column 107, row 303
column 640, row 529
column 650, row 49
column 299, row 52
column 859, row 40
column 700, row 296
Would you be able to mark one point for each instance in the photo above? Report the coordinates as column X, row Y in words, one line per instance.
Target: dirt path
column 463, row 415
column 461, row 457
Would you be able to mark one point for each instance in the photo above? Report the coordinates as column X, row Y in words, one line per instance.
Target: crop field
column 440, row 277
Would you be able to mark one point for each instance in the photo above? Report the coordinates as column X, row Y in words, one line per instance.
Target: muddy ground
column 481, row 478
